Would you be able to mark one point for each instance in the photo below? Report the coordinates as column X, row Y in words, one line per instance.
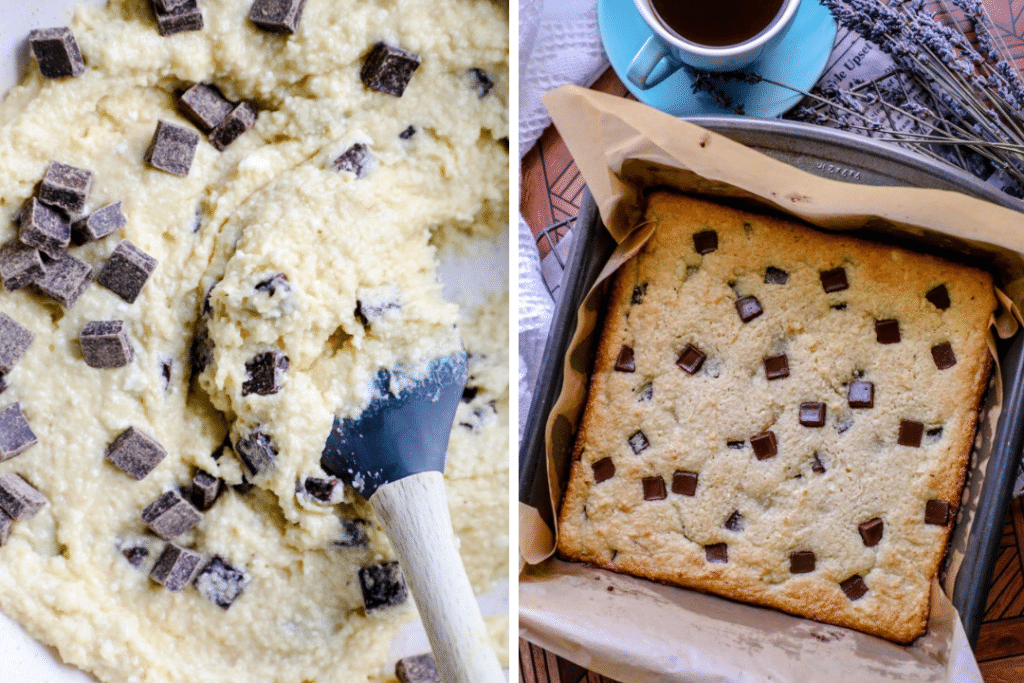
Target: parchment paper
column 635, row 630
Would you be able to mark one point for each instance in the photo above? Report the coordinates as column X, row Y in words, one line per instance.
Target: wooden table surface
column 551, row 193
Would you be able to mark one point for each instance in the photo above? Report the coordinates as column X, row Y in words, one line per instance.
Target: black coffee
column 716, row 22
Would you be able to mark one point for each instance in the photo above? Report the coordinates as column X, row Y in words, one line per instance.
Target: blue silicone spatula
column 393, row 454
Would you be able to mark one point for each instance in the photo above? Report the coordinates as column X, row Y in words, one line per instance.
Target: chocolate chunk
column 716, row 552
column 812, row 414
column 20, row 265
column 14, row 342
column 685, row 483
column 354, row 534
column 388, row 69
column 625, row 363
column 257, row 452
column 239, row 120
column 871, row 531
column 172, row 148
column 469, row 393
column 705, row 242
column 735, row 522
column 407, row 133
column 861, row 394
column 65, row 187
column 265, row 372
column 18, row 498
column 639, row 292
column 646, row 392
column 64, row 279
column 817, row 465
column 910, row 433
column 323, row 490
column 206, row 489
column 98, row 224
column 939, row 297
column 135, row 453
column 801, row 562
column 186, row 16
column 833, row 280
column 175, row 567
column 603, row 469
column 638, row 442
column 170, row 515
column 135, row 554
column 220, row 583
column 854, row 587
column 418, row 669
column 44, row 228
column 934, row 434
column 480, row 81
column 943, row 356
column 201, row 353
column 168, row 5
column 204, row 105
column 126, row 271
column 3, row 384
column 887, row 331
column 277, row 16
column 775, row 276
column 6, row 525
column 748, row 308
column 736, row 445
column 765, row 445
column 691, row 358
column 935, row 512
column 843, row 425
column 776, row 367
column 838, row 307
column 368, row 313
column 356, row 159
column 56, row 51
column 105, row 344
column 274, row 284
column 166, row 366
column 654, row 488
column 383, row 586
column 15, row 433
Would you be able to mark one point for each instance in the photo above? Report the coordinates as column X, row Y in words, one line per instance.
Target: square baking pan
column 839, row 156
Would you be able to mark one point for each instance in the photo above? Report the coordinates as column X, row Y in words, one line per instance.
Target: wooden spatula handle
column 414, row 512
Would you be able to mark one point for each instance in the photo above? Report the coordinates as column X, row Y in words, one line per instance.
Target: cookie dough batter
column 291, row 267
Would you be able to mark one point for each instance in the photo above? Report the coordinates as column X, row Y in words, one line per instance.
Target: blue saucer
column 797, row 60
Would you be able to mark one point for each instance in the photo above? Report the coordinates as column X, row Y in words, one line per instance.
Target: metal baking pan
column 831, row 154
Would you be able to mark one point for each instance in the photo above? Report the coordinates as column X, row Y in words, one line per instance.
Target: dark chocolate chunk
column 64, row 279
column 691, row 358
column 126, row 271
column 748, row 308
column 833, row 280
column 625, row 362
column 135, row 554
column 277, row 16
column 204, row 105
column 776, row 367
column 943, row 356
column 934, row 434
column 367, row 313
column 105, row 344
column 871, row 531
column 638, row 442
column 887, row 331
column 801, row 562
column 603, row 469
column 20, row 265
column 98, row 224
column 407, row 133
column 418, row 669
column 239, row 120
column 939, row 297
column 45, row 228
column 775, row 276
column 172, row 148
column 383, row 586
column 705, row 242
column 480, row 81
column 817, row 465
column 18, row 498
column 654, row 488
column 244, row 487
column 469, row 393
column 910, row 433
column 135, row 453
column 765, row 445
column 812, row 414
column 201, row 353
column 168, row 5
column 646, row 392
column 356, row 159
column 735, row 522
column 935, row 512
column 220, row 583
column 14, row 342
column 6, row 524
column 170, row 515
column 354, row 534
column 15, row 433
column 65, row 187
column 736, row 445
column 56, row 51
column 716, row 552
column 257, row 452
column 166, row 367
column 323, row 489
column 265, row 372
column 388, row 69
column 274, row 284
column 205, row 490
column 186, row 16
column 838, row 307
column 861, row 394
column 854, row 587
column 175, row 567
column 685, row 483
column 3, row 383
column 639, row 292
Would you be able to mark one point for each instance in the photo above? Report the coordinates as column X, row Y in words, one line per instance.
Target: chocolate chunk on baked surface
column 842, row 498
